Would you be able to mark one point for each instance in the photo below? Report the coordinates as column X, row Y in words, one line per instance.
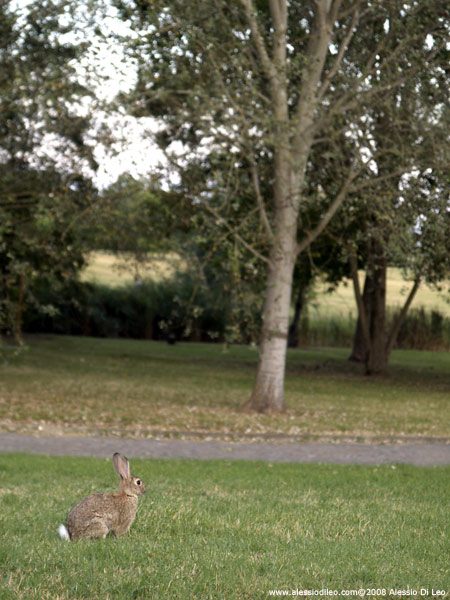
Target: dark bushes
column 424, row 330
column 197, row 312
column 150, row 310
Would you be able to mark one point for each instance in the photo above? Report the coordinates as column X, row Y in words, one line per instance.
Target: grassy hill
column 108, row 269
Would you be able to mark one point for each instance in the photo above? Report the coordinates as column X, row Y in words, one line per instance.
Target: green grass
column 225, row 530
column 130, row 387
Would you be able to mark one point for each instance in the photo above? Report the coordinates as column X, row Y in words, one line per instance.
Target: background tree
column 404, row 197
column 265, row 82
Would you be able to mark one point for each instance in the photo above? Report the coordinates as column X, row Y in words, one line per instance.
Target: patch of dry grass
column 108, row 269
column 137, row 387
column 341, row 301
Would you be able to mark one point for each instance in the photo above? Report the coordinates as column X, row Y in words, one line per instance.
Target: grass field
column 135, row 387
column 342, row 301
column 105, row 268
column 226, row 530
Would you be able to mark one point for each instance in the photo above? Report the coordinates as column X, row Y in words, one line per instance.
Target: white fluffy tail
column 63, row 533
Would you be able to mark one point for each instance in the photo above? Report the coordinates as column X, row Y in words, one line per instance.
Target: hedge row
column 183, row 309
column 146, row 311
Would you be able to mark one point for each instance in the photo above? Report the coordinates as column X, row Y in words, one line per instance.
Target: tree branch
column 333, row 11
column 240, row 239
column 264, row 57
column 356, row 96
column 260, row 201
column 342, row 49
column 314, row 63
column 401, row 317
column 278, row 13
column 358, row 296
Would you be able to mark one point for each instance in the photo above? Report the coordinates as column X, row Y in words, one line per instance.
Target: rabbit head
column 129, row 485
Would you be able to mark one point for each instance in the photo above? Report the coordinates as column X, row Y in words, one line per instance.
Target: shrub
column 149, row 310
column 424, row 330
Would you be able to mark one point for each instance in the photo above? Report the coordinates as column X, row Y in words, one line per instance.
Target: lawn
column 130, row 387
column 226, row 530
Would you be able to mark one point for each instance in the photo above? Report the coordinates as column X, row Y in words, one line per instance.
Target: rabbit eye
column 139, row 482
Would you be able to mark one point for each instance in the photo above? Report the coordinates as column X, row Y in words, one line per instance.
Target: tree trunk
column 304, row 277
column 395, row 328
column 360, row 350
column 268, row 390
column 376, row 353
column 294, row 328
column 377, row 359
column 293, row 136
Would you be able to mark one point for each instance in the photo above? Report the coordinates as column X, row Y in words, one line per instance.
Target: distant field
column 108, row 269
column 342, row 299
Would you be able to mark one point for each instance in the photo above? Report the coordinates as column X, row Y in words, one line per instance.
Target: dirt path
column 417, row 453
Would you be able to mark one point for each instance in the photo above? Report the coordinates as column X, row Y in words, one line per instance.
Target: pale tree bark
column 293, row 138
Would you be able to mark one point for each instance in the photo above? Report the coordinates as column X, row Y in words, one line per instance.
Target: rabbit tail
column 63, row 533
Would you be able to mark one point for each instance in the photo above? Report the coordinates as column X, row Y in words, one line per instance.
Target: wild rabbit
column 98, row 514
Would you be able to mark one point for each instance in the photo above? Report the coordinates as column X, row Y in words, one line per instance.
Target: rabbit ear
column 121, row 465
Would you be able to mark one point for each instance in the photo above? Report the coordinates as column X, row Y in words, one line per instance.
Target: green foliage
column 225, row 529
column 37, row 240
column 39, row 85
column 138, row 217
column 145, row 310
column 42, row 152
column 218, row 306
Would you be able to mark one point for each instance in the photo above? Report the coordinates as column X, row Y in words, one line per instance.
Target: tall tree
column 405, row 207
column 264, row 82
